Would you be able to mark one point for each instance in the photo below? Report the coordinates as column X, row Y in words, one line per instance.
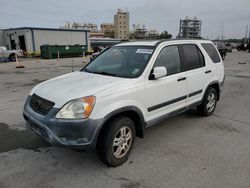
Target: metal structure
column 190, row 28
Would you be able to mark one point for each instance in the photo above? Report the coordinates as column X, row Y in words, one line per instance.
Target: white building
column 31, row 38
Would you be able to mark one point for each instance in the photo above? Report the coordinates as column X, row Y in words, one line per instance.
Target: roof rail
column 166, row 40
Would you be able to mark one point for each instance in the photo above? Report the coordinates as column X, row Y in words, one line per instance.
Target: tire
column 12, row 57
column 116, row 141
column 223, row 56
column 208, row 105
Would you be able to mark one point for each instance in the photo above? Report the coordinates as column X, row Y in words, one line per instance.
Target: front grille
column 40, row 105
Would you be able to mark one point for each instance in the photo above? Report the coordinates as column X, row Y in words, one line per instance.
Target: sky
column 228, row 17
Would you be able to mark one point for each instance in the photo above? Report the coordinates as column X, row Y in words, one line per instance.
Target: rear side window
column 193, row 57
column 212, row 52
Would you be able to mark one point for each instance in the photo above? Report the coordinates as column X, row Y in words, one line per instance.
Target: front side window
column 193, row 57
column 169, row 57
column 121, row 61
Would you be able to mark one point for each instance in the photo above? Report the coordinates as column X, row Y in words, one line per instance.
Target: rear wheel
column 12, row 57
column 223, row 55
column 116, row 141
column 207, row 107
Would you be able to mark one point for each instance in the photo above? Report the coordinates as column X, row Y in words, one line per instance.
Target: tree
column 165, row 35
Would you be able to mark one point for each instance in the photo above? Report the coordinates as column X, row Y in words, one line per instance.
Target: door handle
column 181, row 79
column 208, row 71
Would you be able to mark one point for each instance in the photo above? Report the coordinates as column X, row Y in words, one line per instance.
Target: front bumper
column 75, row 134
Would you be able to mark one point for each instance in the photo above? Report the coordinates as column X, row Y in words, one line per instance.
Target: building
column 104, row 42
column 108, row 29
column 153, row 34
column 190, row 28
column 121, row 24
column 31, row 38
column 93, row 28
column 96, row 35
column 81, row 26
column 2, row 38
column 139, row 32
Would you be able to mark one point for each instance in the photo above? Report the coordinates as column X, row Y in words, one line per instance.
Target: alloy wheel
column 211, row 102
column 122, row 142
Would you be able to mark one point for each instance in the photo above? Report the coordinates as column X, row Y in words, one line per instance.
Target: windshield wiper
column 87, row 70
column 106, row 73
column 102, row 72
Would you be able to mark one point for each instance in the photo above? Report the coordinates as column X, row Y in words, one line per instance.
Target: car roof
column 138, row 43
column 157, row 42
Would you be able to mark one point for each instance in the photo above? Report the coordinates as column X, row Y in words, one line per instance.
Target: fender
column 136, row 114
column 209, row 85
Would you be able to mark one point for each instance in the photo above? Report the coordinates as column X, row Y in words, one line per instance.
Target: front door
column 168, row 93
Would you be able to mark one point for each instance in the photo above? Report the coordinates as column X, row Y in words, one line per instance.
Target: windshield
column 121, row 61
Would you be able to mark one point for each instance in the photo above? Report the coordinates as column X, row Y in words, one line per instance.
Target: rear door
column 194, row 65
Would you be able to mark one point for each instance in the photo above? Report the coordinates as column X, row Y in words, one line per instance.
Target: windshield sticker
column 135, row 71
column 144, row 51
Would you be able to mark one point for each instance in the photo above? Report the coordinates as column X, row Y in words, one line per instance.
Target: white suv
column 126, row 89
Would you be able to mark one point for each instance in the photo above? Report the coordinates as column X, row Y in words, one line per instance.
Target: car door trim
column 161, row 105
column 195, row 93
column 171, row 114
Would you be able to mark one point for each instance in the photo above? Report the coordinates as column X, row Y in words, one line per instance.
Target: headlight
column 77, row 108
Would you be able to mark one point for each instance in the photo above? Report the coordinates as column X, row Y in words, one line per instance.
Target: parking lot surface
column 184, row 151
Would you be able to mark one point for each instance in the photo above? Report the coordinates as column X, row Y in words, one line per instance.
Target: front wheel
column 207, row 107
column 116, row 141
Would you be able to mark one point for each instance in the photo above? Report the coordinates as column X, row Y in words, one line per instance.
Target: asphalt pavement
column 183, row 151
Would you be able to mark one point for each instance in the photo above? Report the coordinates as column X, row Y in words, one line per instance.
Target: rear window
column 212, row 52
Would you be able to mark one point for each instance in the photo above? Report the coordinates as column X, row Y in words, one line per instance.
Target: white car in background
column 10, row 54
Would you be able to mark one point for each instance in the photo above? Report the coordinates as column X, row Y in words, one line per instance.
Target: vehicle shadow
column 167, row 128
column 169, row 144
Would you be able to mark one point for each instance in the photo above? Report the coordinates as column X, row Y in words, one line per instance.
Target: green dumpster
column 52, row 51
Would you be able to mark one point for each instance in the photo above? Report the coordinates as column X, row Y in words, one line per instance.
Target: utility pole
column 246, row 39
column 249, row 36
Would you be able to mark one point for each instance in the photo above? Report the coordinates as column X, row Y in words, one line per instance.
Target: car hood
column 75, row 85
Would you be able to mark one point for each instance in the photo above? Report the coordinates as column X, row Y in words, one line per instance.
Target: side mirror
column 158, row 72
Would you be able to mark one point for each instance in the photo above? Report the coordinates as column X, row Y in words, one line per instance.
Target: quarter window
column 212, row 52
column 193, row 57
column 169, row 57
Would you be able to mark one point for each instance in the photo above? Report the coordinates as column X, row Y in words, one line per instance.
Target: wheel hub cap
column 122, row 142
column 211, row 102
